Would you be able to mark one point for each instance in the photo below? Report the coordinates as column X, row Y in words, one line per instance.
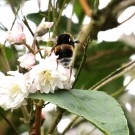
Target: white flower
column 43, row 27
column 71, row 75
column 16, row 35
column 27, row 60
column 13, row 90
column 48, row 76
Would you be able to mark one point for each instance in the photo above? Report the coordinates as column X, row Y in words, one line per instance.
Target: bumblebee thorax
column 65, row 39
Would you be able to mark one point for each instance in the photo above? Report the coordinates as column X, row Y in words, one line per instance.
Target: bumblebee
column 64, row 48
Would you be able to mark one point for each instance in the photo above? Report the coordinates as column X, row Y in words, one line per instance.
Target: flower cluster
column 48, row 76
column 16, row 35
column 13, row 90
column 44, row 75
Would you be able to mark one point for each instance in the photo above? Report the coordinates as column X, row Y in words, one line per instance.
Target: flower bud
column 16, row 36
column 43, row 27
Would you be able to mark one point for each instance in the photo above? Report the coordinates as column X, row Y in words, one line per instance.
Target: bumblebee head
column 65, row 39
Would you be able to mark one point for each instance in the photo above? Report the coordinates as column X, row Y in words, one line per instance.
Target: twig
column 36, row 130
column 79, row 122
column 69, row 125
column 26, row 115
column 27, row 24
column 114, row 75
column 9, row 123
column 56, row 121
column 119, row 91
column 14, row 19
column 12, row 25
column 49, row 10
column 34, row 38
column 38, row 48
column 38, row 119
column 3, row 27
column 127, row 19
column 123, row 5
column 85, row 7
column 96, row 4
column 58, row 20
column 30, row 48
column 84, row 43
column 81, row 66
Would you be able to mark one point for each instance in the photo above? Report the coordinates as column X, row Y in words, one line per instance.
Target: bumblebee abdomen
column 66, row 62
column 65, row 53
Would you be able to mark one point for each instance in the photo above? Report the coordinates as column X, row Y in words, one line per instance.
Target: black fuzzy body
column 64, row 49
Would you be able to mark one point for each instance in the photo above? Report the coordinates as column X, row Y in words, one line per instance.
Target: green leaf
column 36, row 17
column 97, row 107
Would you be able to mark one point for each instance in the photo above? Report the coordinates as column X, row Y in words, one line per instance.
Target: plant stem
column 120, row 90
column 16, row 13
column 84, row 42
column 127, row 19
column 38, row 117
column 81, row 66
column 86, row 7
column 49, row 10
column 9, row 123
column 27, row 24
column 56, row 121
column 38, row 120
column 69, row 125
column 3, row 60
column 30, row 48
column 39, row 50
column 58, row 20
column 114, row 75
column 3, row 27
column 34, row 38
column 26, row 115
